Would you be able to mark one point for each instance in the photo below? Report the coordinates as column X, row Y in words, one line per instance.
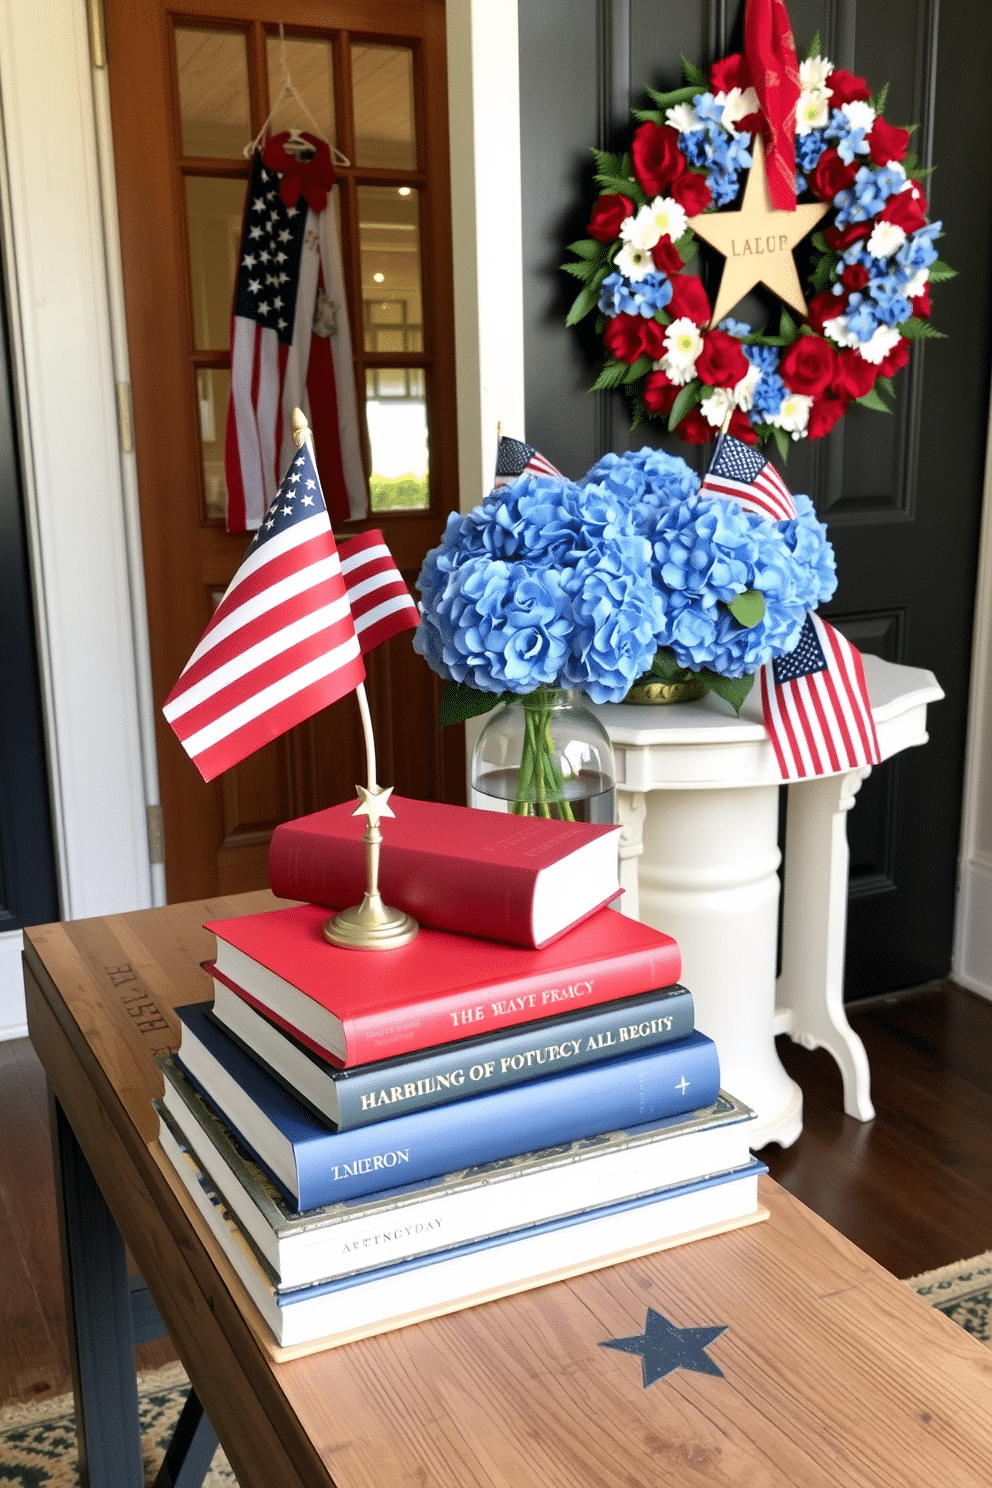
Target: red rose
column 841, row 238
column 846, row 88
column 824, row 307
column 692, row 192
column 721, row 362
column 607, row 215
column 830, row 175
column 750, row 124
column 855, row 276
column 657, row 157
column 729, row 72
column 807, row 366
column 666, row 257
column 897, row 358
column 906, row 211
column 741, row 427
column 694, row 429
column 921, row 305
column 659, row 393
column 886, row 142
column 689, row 300
column 825, row 412
column 628, row 337
column 853, row 376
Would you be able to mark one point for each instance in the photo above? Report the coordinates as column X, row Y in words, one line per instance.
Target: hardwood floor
column 913, row 1188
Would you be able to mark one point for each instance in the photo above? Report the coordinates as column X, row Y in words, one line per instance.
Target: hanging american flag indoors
column 738, row 472
column 513, row 459
column 281, row 644
column 290, row 344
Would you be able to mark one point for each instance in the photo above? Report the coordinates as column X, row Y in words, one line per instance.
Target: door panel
column 901, row 494
column 187, row 93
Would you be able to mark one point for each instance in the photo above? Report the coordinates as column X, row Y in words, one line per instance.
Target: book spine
column 370, row 1094
column 488, row 900
column 612, row 1096
column 443, row 1019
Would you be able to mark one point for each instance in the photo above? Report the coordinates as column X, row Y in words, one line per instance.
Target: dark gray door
column 901, row 494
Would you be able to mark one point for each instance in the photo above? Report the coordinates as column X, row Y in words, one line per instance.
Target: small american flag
column 514, row 459
column 816, row 706
column 381, row 603
column 739, row 472
column 288, row 294
column 282, row 642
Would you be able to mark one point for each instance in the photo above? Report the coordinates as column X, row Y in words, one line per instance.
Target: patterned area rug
column 963, row 1292
column 38, row 1440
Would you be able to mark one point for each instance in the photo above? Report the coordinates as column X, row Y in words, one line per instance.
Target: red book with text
column 521, row 879
column 353, row 1007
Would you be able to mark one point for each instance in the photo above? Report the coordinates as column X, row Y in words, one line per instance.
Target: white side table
column 697, row 795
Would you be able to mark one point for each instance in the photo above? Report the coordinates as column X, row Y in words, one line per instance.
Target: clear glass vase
column 545, row 754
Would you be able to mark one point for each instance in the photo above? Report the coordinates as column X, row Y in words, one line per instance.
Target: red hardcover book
column 357, row 1006
column 524, row 880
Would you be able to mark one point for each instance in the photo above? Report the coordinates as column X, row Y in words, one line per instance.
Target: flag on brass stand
column 514, row 458
column 814, row 700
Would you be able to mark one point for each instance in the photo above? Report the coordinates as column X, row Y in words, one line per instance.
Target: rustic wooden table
column 832, row 1373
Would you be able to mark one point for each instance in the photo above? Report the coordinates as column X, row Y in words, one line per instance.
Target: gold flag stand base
column 370, row 926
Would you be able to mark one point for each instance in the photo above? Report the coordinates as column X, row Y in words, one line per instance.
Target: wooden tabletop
column 833, row 1372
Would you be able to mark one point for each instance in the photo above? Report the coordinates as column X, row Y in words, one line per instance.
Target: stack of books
column 379, row 1137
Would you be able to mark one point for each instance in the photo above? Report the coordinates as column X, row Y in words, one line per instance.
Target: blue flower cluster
column 705, row 551
column 619, row 295
column 714, row 149
column 550, row 583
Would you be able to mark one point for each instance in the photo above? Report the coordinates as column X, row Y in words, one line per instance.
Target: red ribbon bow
column 771, row 60
column 313, row 177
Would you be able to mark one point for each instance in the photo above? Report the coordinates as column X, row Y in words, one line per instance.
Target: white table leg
column 631, row 811
column 708, row 876
column 814, row 928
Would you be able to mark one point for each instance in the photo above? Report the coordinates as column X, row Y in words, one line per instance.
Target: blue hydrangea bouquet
column 628, row 574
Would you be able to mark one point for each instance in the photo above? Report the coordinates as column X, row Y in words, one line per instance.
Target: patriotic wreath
column 869, row 267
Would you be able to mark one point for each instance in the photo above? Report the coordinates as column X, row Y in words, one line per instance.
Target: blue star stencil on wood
column 664, row 1348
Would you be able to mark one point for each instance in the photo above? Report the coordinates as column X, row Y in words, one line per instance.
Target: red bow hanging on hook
column 313, row 178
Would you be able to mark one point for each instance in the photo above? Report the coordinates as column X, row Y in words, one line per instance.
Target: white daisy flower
column 683, row 118
column 667, row 216
column 744, row 390
column 812, row 110
column 634, row 262
column 717, row 408
column 813, row 73
column 640, row 231
column 793, row 416
column 881, row 343
column 860, row 115
column 683, row 343
column 886, row 238
column 737, row 103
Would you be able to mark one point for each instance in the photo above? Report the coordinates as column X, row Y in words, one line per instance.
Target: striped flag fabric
column 282, row 642
column 381, row 603
column 739, row 472
column 290, row 346
column 816, row 706
column 514, row 458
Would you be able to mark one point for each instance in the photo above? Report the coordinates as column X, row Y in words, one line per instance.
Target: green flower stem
column 540, row 784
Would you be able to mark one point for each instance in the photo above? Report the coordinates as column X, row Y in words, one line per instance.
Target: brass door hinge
column 156, row 835
column 98, row 49
column 124, row 422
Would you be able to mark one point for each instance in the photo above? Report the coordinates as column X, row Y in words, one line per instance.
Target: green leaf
column 687, row 399
column 613, row 374
column 585, row 271
column 663, row 317
column 641, row 368
column 607, row 164
column 584, row 301
column 665, row 668
column 678, row 95
column 459, row 702
column 787, row 328
column 878, row 104
column 588, row 248
column 694, row 75
column 885, row 384
column 818, row 240
column 941, row 271
column 637, row 415
column 872, row 400
column 781, row 440
column 916, row 329
column 733, row 690
column 820, row 276
column 748, row 609
column 649, row 116
column 814, row 47
column 686, row 246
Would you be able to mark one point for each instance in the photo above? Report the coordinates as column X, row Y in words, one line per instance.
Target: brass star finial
column 757, row 241
column 373, row 802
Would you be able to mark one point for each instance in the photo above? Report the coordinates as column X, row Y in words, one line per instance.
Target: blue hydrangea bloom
column 850, row 139
column 618, row 295
column 768, row 397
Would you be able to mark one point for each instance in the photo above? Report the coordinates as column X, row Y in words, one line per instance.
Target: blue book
column 317, row 1167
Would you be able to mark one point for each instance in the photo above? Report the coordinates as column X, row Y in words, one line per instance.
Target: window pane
column 311, row 68
column 382, row 82
column 213, row 91
column 396, row 412
column 213, row 387
column 389, row 234
column 214, row 207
